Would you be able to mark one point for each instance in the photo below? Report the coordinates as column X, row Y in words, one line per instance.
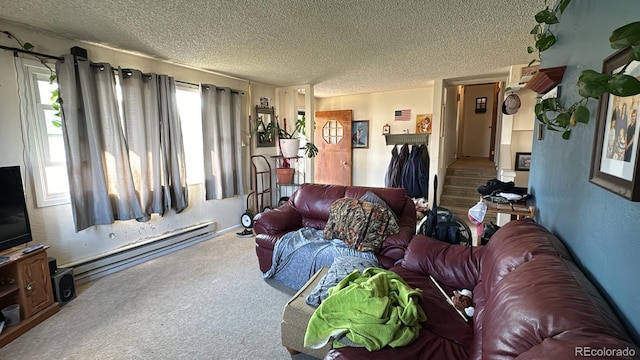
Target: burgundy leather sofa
column 531, row 302
column 309, row 206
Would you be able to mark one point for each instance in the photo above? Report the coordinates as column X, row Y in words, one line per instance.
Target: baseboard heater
column 137, row 253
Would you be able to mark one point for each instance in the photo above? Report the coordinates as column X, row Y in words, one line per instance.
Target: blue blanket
column 300, row 254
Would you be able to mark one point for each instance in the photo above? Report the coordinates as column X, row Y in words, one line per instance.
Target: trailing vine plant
column 55, row 94
column 591, row 84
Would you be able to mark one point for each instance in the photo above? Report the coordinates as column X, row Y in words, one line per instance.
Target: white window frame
column 34, row 126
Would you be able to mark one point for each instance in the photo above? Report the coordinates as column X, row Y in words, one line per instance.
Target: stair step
column 483, row 173
column 457, row 201
column 471, row 182
column 464, row 191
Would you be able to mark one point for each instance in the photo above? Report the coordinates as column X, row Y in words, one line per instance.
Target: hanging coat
column 403, row 157
column 424, row 154
column 414, row 173
column 392, row 168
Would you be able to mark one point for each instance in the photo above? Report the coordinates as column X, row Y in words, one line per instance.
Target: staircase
column 460, row 188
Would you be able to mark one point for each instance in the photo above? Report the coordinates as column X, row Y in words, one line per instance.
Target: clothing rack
column 411, row 139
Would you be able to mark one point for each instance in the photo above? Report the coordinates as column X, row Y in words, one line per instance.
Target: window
column 47, row 144
column 189, row 108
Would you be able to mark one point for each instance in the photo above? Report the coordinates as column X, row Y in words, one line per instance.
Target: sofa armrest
column 394, row 246
column 278, row 221
column 457, row 266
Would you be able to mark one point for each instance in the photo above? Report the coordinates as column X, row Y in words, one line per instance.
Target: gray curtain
column 175, row 174
column 141, row 120
column 221, row 130
column 154, row 135
column 100, row 178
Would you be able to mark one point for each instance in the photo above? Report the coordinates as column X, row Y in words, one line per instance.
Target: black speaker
column 53, row 266
column 64, row 288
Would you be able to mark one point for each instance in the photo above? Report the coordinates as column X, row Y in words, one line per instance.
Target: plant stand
column 287, row 183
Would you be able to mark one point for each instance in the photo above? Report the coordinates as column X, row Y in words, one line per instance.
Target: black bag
column 447, row 228
column 440, row 223
column 489, row 230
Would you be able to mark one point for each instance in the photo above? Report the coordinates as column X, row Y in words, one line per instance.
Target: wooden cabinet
column 25, row 280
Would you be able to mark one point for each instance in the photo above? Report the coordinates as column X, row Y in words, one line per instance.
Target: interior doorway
column 478, row 118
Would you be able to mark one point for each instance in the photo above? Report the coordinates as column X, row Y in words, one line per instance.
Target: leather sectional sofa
column 309, row 206
column 531, row 302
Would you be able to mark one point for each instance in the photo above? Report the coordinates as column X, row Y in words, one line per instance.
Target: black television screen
column 14, row 220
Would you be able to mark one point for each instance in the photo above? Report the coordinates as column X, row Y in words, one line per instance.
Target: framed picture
column 264, row 102
column 423, row 124
column 360, row 134
column 386, row 129
column 523, row 161
column 614, row 161
column 481, row 105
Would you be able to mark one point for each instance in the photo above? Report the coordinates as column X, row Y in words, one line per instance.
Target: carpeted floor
column 207, row 301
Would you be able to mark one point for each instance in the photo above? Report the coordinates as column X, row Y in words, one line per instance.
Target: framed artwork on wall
column 360, row 134
column 523, row 161
column 386, row 129
column 614, row 161
column 423, row 124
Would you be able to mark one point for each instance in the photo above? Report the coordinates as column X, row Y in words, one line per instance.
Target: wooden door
column 477, row 127
column 333, row 139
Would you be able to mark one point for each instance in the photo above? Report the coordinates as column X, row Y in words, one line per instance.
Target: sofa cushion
column 313, row 202
column 396, row 198
column 513, row 245
column 545, row 301
column 362, row 225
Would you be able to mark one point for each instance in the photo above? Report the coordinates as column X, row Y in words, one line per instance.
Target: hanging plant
column 591, row 84
column 55, row 95
column 543, row 36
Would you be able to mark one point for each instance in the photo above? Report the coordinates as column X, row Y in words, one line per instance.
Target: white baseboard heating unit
column 137, row 253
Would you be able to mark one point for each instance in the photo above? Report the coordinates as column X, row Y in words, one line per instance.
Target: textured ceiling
column 341, row 47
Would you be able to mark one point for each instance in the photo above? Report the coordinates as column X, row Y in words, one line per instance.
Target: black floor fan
column 440, row 223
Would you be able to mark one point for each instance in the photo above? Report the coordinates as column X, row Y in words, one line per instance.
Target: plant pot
column 285, row 175
column 289, row 147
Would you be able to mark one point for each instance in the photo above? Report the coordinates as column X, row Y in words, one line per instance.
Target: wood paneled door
column 333, row 139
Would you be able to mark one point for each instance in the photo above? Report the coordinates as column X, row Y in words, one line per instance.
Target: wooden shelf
column 519, row 208
column 11, row 333
column 6, row 290
column 546, row 79
column 36, row 299
column 400, row 139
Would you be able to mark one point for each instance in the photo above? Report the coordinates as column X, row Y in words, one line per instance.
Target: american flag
column 402, row 115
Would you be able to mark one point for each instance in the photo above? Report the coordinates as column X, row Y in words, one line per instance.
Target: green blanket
column 374, row 310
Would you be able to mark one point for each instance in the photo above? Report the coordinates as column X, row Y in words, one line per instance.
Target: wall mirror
column 265, row 127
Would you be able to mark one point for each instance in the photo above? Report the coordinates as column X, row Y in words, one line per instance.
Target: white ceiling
column 340, row 46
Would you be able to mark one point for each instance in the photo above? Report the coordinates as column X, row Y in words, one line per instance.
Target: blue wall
column 601, row 229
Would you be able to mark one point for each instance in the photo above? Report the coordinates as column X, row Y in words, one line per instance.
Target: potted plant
column 265, row 132
column 289, row 143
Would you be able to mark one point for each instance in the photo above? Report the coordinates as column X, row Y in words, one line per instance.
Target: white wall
column 370, row 165
column 53, row 226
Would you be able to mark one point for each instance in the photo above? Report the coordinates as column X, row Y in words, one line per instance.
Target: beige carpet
column 207, row 301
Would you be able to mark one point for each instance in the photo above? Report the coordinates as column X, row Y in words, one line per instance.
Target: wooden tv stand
column 25, row 280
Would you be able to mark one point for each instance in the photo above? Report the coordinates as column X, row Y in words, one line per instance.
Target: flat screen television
column 14, row 220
